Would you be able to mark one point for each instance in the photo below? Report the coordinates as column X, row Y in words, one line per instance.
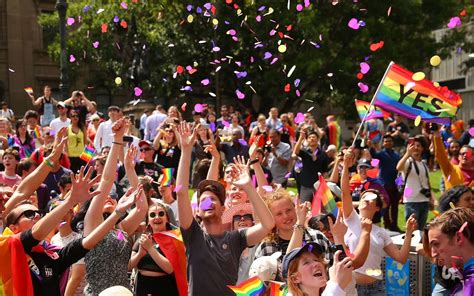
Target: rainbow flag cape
column 251, row 287
column 37, row 132
column 334, row 136
column 278, row 289
column 399, row 93
column 87, row 154
column 324, row 194
column 167, row 176
column 172, row 245
column 15, row 276
column 375, row 112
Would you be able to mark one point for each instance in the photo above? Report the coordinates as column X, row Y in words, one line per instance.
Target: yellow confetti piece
column 436, row 84
column 118, row 80
column 239, row 11
column 215, row 22
column 452, row 205
column 270, row 11
column 435, row 60
column 417, row 120
column 190, row 18
column 418, row 76
column 282, row 48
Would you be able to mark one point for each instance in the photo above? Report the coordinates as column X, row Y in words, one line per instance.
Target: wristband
column 299, row 226
column 254, row 161
column 118, row 143
column 120, row 214
column 48, row 162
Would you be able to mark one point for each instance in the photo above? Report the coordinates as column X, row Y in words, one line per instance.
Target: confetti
column 120, row 235
column 190, row 18
column 205, row 82
column 291, row 71
column 100, row 10
column 299, row 7
column 123, row 24
column 353, row 24
column 95, row 44
column 435, row 60
column 288, row 175
column 72, row 58
column 118, row 80
column 11, row 70
column 124, row 5
column 267, row 55
column 137, row 91
column 454, row 22
column 389, row 11
column 178, row 188
column 362, row 87
column 409, row 86
column 417, row 120
column 310, row 109
column 240, row 95
column 299, row 118
column 206, row 204
column 452, row 205
column 287, row 88
column 103, row 28
column 408, row 191
column 198, row 108
column 471, row 131
column 70, row 21
column 399, row 181
column 376, row 46
column 267, row 188
column 418, row 76
column 364, row 68
column 375, row 162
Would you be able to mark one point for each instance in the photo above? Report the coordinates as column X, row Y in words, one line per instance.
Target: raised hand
column 130, row 157
column 130, row 198
column 145, row 242
column 338, row 228
column 240, row 173
column 366, row 224
column 81, row 185
column 118, row 128
column 349, row 157
column 411, row 224
column 342, row 271
column 211, row 148
column 58, row 145
column 301, row 211
column 185, row 135
column 410, row 149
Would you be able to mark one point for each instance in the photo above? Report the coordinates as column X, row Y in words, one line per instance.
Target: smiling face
column 109, row 205
column 237, row 195
column 454, row 148
column 157, row 218
column 242, row 220
column 26, row 219
column 466, row 159
column 310, row 272
column 466, row 200
column 284, row 213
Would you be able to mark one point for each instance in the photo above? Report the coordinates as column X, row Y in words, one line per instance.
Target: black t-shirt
column 47, row 264
column 169, row 157
column 311, row 167
column 150, row 169
column 445, row 277
column 399, row 141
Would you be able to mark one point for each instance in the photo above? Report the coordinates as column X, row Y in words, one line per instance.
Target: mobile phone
column 127, row 139
column 335, row 248
column 411, row 140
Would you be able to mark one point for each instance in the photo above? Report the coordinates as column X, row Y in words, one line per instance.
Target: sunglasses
column 28, row 214
column 240, row 217
column 74, row 116
column 145, row 149
column 159, row 214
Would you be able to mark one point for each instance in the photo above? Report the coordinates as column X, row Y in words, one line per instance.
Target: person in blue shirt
column 388, row 173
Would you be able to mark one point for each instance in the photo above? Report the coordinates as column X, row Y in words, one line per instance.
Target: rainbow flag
column 278, row 289
column 334, row 136
column 29, row 90
column 172, row 245
column 251, row 287
column 324, row 195
column 15, row 276
column 167, row 176
column 87, row 154
column 375, row 112
column 37, row 132
column 398, row 92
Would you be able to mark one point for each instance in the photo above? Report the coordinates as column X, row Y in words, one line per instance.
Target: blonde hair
column 270, row 198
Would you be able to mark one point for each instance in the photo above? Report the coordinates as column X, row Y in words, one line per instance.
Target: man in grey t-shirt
column 213, row 252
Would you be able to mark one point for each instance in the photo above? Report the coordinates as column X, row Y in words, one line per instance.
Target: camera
column 268, row 147
column 334, row 248
column 426, row 192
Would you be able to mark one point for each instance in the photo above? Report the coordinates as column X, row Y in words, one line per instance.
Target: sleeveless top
column 75, row 142
column 107, row 263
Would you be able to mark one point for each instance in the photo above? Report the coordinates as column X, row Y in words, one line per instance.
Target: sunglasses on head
column 145, row 149
column 28, row 214
column 240, row 217
column 159, row 214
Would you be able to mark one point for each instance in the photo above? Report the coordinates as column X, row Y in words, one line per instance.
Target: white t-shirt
column 62, row 241
column 379, row 239
column 414, row 181
column 57, row 124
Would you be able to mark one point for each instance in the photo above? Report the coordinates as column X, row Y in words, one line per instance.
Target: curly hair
column 271, row 197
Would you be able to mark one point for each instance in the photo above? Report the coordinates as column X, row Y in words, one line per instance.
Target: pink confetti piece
column 258, row 18
column 299, row 118
column 120, row 235
column 70, row 21
column 72, row 58
column 231, row 32
column 364, row 68
column 288, row 175
column 183, row 107
column 267, row 55
column 267, row 188
column 471, row 131
column 206, row 204
column 198, row 108
column 299, row 7
column 137, row 91
column 225, row 123
column 363, row 87
column 408, row 191
column 375, row 162
column 454, row 22
column 124, row 5
column 205, row 82
column 353, row 24
column 95, row 44
column 240, row 95
column 178, row 188
column 464, row 225
column 409, row 86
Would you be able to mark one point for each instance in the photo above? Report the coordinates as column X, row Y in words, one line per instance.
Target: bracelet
column 299, row 226
column 48, row 162
column 118, row 143
column 120, row 214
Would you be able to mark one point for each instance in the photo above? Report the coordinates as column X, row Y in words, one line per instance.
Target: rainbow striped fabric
column 251, row 287
column 37, row 132
column 324, row 194
column 398, row 92
column 375, row 112
column 87, row 154
column 334, row 137
column 278, row 289
column 167, row 176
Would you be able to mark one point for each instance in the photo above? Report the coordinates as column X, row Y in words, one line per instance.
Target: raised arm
column 137, row 215
column 79, row 193
column 129, row 164
column 28, row 185
column 363, row 247
column 347, row 206
column 401, row 255
column 335, row 169
column 213, row 172
column 297, row 148
column 401, row 163
column 241, row 179
column 298, row 231
column 441, row 154
column 187, row 139
column 157, row 139
column 94, row 214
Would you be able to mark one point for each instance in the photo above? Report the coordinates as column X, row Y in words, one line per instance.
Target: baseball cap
column 295, row 253
column 61, row 104
column 364, row 162
column 212, row 186
column 144, row 143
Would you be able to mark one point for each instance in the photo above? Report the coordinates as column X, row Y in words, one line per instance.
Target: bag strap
column 406, row 175
column 426, row 173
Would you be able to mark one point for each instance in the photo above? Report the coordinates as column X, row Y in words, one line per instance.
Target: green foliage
column 165, row 39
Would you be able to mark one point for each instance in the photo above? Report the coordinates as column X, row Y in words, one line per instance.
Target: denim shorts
column 375, row 289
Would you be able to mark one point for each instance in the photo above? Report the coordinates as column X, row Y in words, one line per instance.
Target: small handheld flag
column 167, row 176
column 37, row 133
column 87, row 154
column 325, row 195
column 278, row 289
column 29, row 90
column 251, row 287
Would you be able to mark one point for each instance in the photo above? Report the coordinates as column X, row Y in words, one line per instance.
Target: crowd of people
column 169, row 207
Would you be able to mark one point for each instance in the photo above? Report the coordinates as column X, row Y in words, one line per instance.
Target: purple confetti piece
column 399, row 181
column 120, row 235
column 199, row 10
column 86, row 9
column 297, row 82
column 310, row 248
column 116, row 19
column 189, row 7
column 187, row 88
column 207, row 6
column 362, row 23
column 242, row 142
column 212, row 126
column 206, row 204
column 124, row 5
column 267, row 188
column 261, row 8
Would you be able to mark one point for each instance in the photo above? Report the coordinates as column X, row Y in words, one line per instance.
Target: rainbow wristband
column 48, row 162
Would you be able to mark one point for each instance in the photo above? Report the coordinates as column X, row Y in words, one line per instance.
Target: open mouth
column 318, row 273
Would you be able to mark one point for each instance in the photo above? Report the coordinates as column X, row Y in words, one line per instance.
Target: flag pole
column 371, row 103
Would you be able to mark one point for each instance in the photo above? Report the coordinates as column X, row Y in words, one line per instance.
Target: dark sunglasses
column 240, row 217
column 159, row 214
column 74, row 116
column 145, row 149
column 28, row 214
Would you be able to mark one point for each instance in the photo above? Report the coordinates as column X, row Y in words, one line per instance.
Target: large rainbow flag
column 251, row 287
column 398, row 92
column 375, row 112
column 15, row 277
column 324, row 195
column 172, row 245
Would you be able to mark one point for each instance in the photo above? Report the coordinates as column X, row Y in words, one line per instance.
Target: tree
column 255, row 55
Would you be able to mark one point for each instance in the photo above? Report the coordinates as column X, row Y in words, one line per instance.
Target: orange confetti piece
column 104, row 28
